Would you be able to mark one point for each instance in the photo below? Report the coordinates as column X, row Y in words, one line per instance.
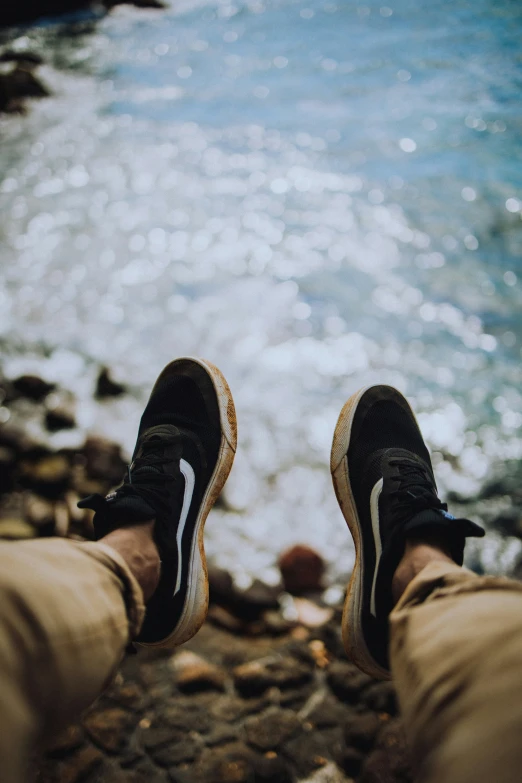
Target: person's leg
column 454, row 639
column 456, row 658
column 67, row 611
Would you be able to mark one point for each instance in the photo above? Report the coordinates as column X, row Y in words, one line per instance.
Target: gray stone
column 110, row 728
column 69, row 739
column 269, row 731
column 352, row 760
column 306, row 753
column 328, row 712
column 346, row 681
column 381, row 697
column 222, row 734
column 361, row 729
column 81, row 765
column 32, row 387
column 390, row 761
column 231, row 764
column 232, row 708
column 255, row 677
column 186, row 750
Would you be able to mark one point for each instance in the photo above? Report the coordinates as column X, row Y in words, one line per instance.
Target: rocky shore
column 263, row 693
column 27, row 11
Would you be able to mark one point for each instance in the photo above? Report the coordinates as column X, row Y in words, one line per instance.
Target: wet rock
column 306, row 754
column 269, row 731
column 129, row 695
column 48, row 476
column 107, row 387
column 110, row 728
column 31, row 386
column 222, row 735
column 272, row 768
column 233, row 763
column 28, row 58
column 194, row 674
column 82, row 764
column 248, row 605
column 352, row 761
column 69, row 739
column 310, row 614
column 509, row 522
column 283, row 672
column 232, row 708
column 14, row 529
column 222, row 618
column 302, row 570
column 275, row 623
column 346, row 681
column 7, row 469
column 390, row 761
column 296, row 698
column 186, row 714
column 325, row 711
column 39, row 512
column 60, row 418
column 159, row 735
column 381, row 697
column 157, row 4
column 330, row 773
column 361, row 729
column 174, row 753
column 103, row 460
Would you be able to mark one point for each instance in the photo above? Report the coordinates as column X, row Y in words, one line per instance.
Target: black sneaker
column 383, row 479
column 184, row 452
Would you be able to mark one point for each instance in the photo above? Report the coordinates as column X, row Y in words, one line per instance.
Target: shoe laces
column 145, row 477
column 414, row 491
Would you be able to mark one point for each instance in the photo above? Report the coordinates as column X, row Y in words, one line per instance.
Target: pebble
column 110, row 728
column 302, row 570
column 346, row 681
column 32, row 387
column 48, row 476
column 107, row 387
column 195, row 674
column 269, row 731
column 255, row 677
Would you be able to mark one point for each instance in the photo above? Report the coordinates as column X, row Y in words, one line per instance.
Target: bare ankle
column 136, row 545
column 417, row 554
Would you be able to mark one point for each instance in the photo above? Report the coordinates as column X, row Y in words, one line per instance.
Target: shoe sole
column 352, row 631
column 195, row 608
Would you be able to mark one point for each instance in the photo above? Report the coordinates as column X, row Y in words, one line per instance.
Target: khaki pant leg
column 67, row 611
column 456, row 657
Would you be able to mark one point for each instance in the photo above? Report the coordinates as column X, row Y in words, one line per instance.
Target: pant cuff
column 131, row 591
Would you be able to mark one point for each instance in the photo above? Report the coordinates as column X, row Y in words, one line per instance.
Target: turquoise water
column 315, row 196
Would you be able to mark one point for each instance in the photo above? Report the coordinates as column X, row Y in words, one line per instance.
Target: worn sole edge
column 195, row 607
column 352, row 633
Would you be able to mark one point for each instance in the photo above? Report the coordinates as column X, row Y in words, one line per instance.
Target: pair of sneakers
column 186, row 443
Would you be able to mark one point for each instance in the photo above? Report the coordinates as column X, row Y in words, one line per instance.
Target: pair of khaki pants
column 456, row 658
column 67, row 612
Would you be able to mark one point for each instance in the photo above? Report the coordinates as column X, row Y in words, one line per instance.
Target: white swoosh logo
column 190, row 480
column 374, row 509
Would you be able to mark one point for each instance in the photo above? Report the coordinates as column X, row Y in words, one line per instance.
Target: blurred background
column 315, row 196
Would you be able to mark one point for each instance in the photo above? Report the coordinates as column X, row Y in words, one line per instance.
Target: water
column 315, row 196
